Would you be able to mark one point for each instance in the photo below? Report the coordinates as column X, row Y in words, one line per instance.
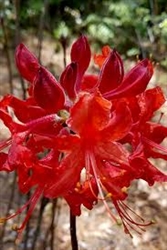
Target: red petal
column 155, row 132
column 135, row 82
column 25, row 110
column 90, row 114
column 66, row 175
column 150, row 101
column 99, row 59
column 111, row 73
column 153, row 149
column 147, row 171
column 119, row 125
column 80, row 53
column 89, row 193
column 114, row 179
column 112, row 151
column 8, row 121
column 68, row 79
column 26, row 62
column 143, row 169
column 47, row 93
column 48, row 125
column 67, row 143
column 89, row 82
column 82, row 195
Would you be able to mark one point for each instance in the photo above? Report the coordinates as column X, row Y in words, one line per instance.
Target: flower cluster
column 85, row 137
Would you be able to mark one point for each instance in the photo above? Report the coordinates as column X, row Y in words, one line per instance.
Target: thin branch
column 18, row 38
column 52, row 226
column 27, row 230
column 44, row 202
column 74, row 241
column 11, row 198
column 6, row 49
column 63, row 42
column 41, row 27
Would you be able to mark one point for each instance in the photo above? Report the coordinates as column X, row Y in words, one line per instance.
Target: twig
column 18, row 38
column 52, row 226
column 63, row 42
column 44, row 202
column 27, row 225
column 74, row 241
column 41, row 26
column 6, row 49
column 11, row 198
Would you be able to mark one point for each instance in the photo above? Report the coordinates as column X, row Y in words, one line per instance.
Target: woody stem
column 74, row 241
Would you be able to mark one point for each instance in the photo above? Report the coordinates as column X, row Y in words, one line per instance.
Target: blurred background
column 137, row 29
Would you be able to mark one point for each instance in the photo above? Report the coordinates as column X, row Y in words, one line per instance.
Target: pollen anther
column 124, row 189
column 108, row 195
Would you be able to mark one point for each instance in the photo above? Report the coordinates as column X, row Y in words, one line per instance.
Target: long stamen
column 127, row 220
column 88, row 177
column 124, row 221
column 155, row 145
column 138, row 229
column 90, row 160
column 32, row 202
column 124, row 206
column 125, row 214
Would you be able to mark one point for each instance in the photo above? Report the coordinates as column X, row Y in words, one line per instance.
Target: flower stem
column 74, row 241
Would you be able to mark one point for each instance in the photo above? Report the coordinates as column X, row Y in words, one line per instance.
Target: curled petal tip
column 47, row 91
column 68, row 79
column 26, row 62
column 81, row 54
column 112, row 72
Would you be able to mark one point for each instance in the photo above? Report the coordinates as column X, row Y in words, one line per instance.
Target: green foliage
column 7, row 18
column 133, row 27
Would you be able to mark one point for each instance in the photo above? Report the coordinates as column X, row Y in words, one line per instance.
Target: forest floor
column 95, row 229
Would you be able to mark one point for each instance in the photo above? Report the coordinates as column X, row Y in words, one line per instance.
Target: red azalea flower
column 113, row 83
column 80, row 54
column 99, row 59
column 44, row 88
column 144, row 137
column 94, row 146
column 83, row 124
column 28, row 142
